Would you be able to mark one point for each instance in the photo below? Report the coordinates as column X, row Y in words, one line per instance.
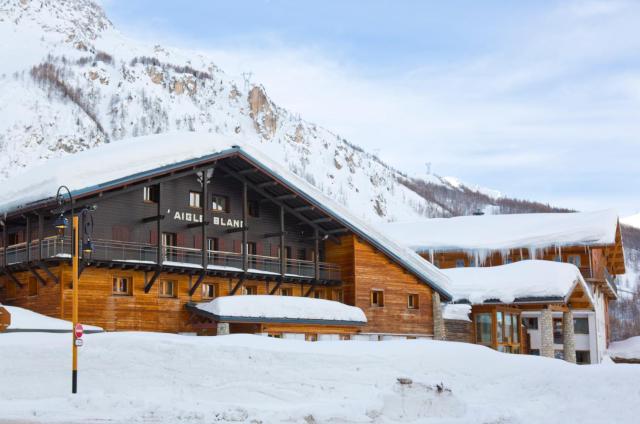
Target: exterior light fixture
column 61, row 222
column 87, row 246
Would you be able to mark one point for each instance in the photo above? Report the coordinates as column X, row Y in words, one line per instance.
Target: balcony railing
column 145, row 253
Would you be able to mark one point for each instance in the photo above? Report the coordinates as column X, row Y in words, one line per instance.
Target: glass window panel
column 516, row 328
column 500, row 335
column 581, row 325
column 483, row 328
column 508, row 329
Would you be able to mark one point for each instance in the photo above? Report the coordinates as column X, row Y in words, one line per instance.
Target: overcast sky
column 539, row 99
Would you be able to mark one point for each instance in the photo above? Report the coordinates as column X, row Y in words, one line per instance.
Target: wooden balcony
column 129, row 253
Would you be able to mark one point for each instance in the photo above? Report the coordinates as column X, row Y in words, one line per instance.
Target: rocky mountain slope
column 70, row 81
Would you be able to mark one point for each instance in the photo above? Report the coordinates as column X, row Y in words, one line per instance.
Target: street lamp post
column 61, row 224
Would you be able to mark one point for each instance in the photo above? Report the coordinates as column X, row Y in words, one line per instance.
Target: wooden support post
column 205, row 218
column 28, row 237
column 159, row 255
column 283, row 257
column 47, row 271
column 311, row 287
column 237, row 286
column 154, row 277
column 245, row 253
column 11, row 277
column 40, row 234
column 5, row 240
column 193, row 288
column 316, row 256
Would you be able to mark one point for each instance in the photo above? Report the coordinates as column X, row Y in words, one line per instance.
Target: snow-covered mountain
column 70, row 81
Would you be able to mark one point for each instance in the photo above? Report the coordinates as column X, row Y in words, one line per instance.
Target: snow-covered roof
column 111, row 164
column 456, row 311
column 522, row 281
column 26, row 320
column 503, row 232
column 625, row 349
column 263, row 308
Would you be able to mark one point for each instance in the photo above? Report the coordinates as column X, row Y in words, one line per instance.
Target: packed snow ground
column 164, row 378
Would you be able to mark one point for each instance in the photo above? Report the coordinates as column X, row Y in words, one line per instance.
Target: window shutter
column 120, row 233
column 259, row 248
column 221, row 245
column 197, row 241
column 153, row 237
column 181, row 240
column 237, row 248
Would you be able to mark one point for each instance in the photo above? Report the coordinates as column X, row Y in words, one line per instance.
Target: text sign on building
column 217, row 220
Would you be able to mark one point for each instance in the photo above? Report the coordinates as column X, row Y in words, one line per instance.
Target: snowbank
column 625, row 349
column 106, row 166
column 282, row 307
column 26, row 320
column 459, row 312
column 245, row 379
column 502, row 232
column 524, row 279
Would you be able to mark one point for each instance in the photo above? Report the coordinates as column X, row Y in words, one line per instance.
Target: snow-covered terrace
column 281, row 309
column 24, row 320
column 530, row 281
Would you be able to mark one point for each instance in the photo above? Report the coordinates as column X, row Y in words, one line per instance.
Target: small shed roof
column 530, row 281
column 25, row 320
column 291, row 309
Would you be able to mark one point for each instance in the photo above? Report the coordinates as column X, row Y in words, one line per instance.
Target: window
column 167, row 288
column 459, row 263
column 483, row 329
column 311, row 337
column 558, row 354
column 557, row 331
column 574, row 259
column 213, row 244
column 251, row 290
column 412, row 301
column 377, row 298
column 122, row 285
column 302, row 253
column 151, row 194
column 275, row 335
column 286, row 292
column 583, row 357
column 254, row 208
column 581, row 325
column 195, row 201
column 33, row 286
column 530, row 322
column 534, row 352
column 209, row 291
column 287, row 251
column 508, row 261
column 220, row 204
column 318, row 294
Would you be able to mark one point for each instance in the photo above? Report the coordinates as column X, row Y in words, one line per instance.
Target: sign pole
column 74, row 319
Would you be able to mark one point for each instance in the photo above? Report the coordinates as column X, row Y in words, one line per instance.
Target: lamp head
column 87, row 246
column 61, row 222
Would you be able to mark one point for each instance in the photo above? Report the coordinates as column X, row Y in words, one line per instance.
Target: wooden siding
column 459, row 331
column 365, row 269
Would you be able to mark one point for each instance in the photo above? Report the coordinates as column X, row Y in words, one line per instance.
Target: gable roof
column 529, row 281
column 504, row 232
column 139, row 159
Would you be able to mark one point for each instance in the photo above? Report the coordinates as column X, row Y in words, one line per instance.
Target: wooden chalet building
column 589, row 240
column 179, row 219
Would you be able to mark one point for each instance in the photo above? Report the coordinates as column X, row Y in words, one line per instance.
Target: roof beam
column 288, row 209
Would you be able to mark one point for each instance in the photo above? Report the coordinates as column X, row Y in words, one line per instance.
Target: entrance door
column 169, row 242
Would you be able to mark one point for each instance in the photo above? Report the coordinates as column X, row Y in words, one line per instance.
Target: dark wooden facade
column 268, row 239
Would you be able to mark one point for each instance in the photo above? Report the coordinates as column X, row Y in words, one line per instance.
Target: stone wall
column 458, row 331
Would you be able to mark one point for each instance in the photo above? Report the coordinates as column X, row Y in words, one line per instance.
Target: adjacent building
column 170, row 222
column 590, row 241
